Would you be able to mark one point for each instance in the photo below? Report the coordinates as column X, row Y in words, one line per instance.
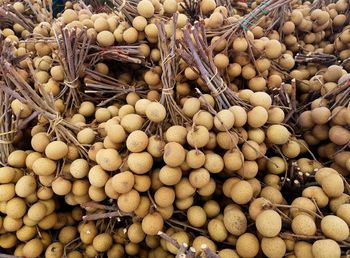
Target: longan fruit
column 208, row 189
column 199, row 177
column 195, row 159
column 155, row 112
column 256, row 207
column 228, row 253
column 97, row 176
column 145, row 8
column 142, row 183
column 332, row 185
column 11, row 225
column 272, row 194
column 184, row 189
column 233, row 159
column 48, row 222
column 184, row 204
column 86, row 136
column 116, row 251
column 44, row 167
column 268, row 223
column 102, row 242
column 204, row 118
column 67, row 234
column 7, row 174
column 56, row 150
column 176, row 133
column 343, row 212
column 250, row 150
column 302, row 205
column 273, row 247
column 181, row 237
column 196, row 216
column 249, row 169
column 61, row 186
column 139, row 23
column 96, row 194
column 105, row 38
column 213, row 163
column 191, row 106
column 242, row 192
column 217, row 230
column 247, row 245
column 33, row 248
column 108, row 159
column 200, row 241
column 326, row 248
column 17, row 159
column 276, row 165
column 211, row 208
column 303, row 225
column 143, row 208
column 116, row 133
column 316, row 193
column 278, row 134
column 25, row 186
column 128, row 202
column 39, row 141
column 174, row 154
column 55, row 250
column 131, row 122
column 235, row 222
column 37, row 211
column 88, row 232
column 135, row 233
column 155, row 146
column 79, row 168
column 334, row 228
column 170, row 176
column 164, row 196
column 198, row 137
column 152, row 223
column 140, row 163
column 137, row 141
column 257, row 117
column 87, row 108
column 16, row 208
column 20, row 109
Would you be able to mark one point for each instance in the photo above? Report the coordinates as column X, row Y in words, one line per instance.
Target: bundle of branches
column 191, row 9
column 9, row 15
column 288, row 102
column 107, row 88
column 7, row 126
column 170, row 69
column 42, row 105
column 73, row 46
column 201, row 60
column 253, row 18
column 278, row 17
column 125, row 54
column 44, row 13
column 315, row 58
column 127, row 8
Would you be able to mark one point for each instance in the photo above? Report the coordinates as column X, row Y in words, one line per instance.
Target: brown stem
column 208, row 252
column 169, row 239
column 107, row 215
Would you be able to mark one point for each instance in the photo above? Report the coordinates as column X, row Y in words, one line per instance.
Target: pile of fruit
column 175, row 128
